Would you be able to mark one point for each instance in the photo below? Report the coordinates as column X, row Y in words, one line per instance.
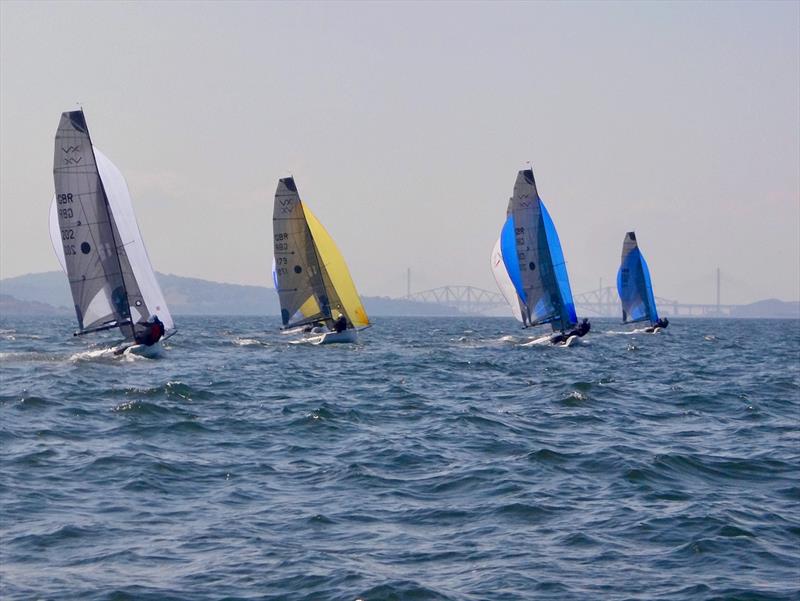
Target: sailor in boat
column 153, row 331
column 318, row 327
column 662, row 323
column 581, row 330
column 340, row 325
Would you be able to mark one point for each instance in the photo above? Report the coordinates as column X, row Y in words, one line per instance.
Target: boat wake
column 27, row 356
column 541, row 341
column 247, row 342
column 628, row 332
column 106, row 354
column 12, row 335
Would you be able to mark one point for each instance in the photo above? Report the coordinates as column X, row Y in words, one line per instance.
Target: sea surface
column 438, row 459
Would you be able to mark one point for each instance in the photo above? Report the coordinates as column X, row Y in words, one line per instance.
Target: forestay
column 634, row 285
column 534, row 261
column 309, row 272
column 97, row 239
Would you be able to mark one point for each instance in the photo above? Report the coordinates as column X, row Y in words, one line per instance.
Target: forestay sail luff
column 634, row 285
column 88, row 235
column 543, row 281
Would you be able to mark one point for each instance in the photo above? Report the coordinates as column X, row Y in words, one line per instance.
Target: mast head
column 77, row 119
column 289, row 183
column 525, row 186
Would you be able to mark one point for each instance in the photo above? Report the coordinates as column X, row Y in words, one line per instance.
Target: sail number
column 65, row 213
column 63, row 199
column 67, row 234
column 69, row 249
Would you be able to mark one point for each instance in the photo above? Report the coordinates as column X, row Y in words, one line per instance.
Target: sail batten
column 634, row 285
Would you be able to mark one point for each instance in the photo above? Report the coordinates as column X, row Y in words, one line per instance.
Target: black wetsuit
column 340, row 325
column 661, row 323
column 582, row 329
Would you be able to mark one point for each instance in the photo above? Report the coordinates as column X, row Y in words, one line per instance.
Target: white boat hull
column 348, row 336
column 570, row 341
column 143, row 350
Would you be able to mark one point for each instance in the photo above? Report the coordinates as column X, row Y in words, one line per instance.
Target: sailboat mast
column 109, row 215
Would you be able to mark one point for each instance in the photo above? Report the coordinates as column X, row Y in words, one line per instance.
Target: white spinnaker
column 504, row 282
column 119, row 199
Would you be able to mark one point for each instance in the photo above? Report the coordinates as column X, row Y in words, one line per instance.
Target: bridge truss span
column 467, row 299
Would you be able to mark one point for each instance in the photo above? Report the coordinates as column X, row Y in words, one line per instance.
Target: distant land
column 48, row 294
column 768, row 308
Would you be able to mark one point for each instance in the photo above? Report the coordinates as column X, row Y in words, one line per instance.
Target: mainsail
column 97, row 240
column 633, row 284
column 309, row 272
column 533, row 262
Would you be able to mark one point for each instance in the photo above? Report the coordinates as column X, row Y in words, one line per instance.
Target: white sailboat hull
column 570, row 341
column 143, row 350
column 348, row 336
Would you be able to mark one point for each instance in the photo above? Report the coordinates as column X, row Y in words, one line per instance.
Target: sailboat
column 316, row 293
column 97, row 241
column 635, row 288
column 528, row 264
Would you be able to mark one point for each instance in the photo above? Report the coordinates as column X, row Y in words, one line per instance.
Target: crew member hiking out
column 662, row 323
column 581, row 330
column 152, row 334
column 340, row 325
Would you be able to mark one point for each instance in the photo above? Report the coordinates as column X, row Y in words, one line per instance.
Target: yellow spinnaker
column 337, row 270
column 310, row 307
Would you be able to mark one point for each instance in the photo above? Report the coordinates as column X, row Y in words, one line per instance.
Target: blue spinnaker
column 568, row 316
column 634, row 285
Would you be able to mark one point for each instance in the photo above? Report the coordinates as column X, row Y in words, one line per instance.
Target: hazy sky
column 404, row 125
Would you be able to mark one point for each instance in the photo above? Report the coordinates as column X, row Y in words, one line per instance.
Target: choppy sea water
column 438, row 459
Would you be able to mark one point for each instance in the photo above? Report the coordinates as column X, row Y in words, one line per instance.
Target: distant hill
column 50, row 287
column 14, row 306
column 193, row 296
column 48, row 293
column 769, row 308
